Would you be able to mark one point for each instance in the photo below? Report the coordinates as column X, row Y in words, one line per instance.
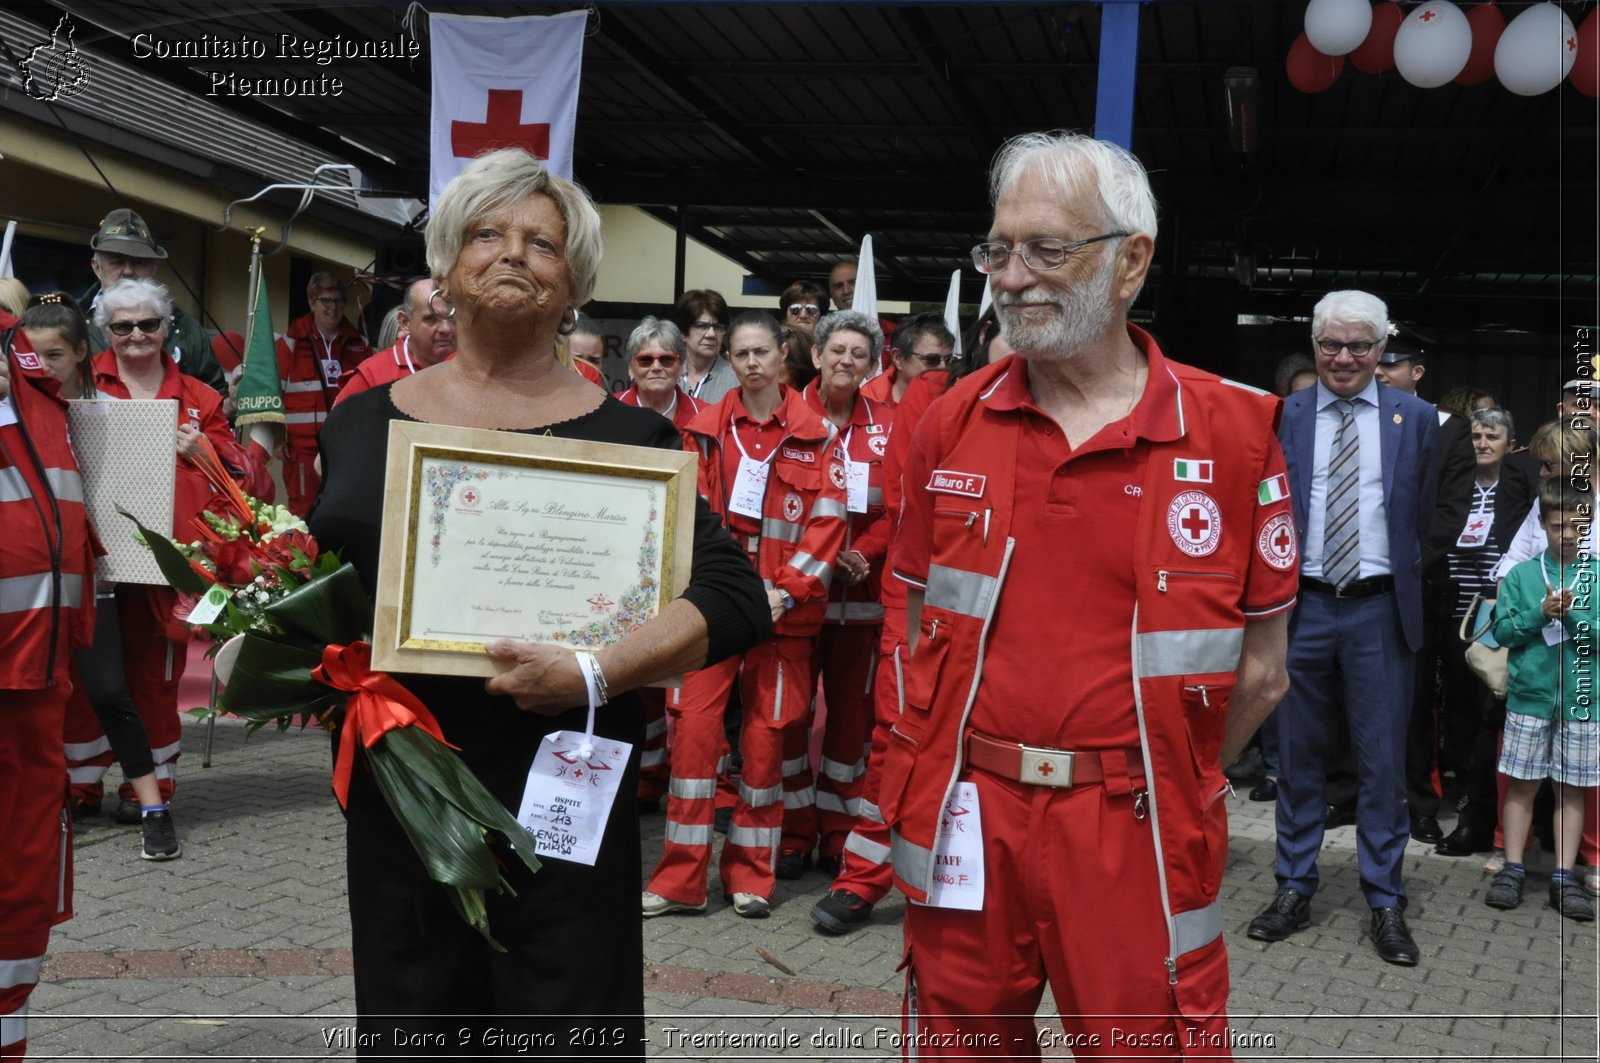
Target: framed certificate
column 490, row 535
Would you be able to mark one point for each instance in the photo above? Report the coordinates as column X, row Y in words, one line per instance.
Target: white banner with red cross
column 504, row 82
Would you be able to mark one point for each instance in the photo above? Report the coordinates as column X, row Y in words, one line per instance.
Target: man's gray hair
column 1074, row 165
column 848, row 321
column 131, row 294
column 1351, row 307
column 1494, row 417
column 656, row 330
column 500, row 179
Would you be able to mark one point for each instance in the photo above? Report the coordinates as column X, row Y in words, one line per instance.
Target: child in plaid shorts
column 1547, row 616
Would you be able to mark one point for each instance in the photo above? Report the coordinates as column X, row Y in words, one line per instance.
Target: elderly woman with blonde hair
column 514, row 251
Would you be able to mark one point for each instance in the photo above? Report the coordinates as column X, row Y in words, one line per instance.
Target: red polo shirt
column 1058, row 671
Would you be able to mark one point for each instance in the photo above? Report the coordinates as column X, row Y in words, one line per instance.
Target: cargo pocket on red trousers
column 1200, row 1001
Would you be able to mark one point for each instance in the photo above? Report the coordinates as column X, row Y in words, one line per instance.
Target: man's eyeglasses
column 149, row 326
column 716, row 328
column 329, row 301
column 804, row 310
column 932, row 361
column 666, row 361
column 1356, row 347
column 1039, row 255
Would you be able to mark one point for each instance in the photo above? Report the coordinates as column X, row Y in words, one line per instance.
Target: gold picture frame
column 491, row 534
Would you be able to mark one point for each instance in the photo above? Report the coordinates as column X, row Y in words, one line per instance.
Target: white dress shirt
column 1374, row 515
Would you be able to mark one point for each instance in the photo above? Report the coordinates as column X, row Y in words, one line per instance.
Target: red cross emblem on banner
column 502, row 127
column 1427, row 16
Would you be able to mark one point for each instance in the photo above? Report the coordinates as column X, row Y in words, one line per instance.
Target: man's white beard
column 1084, row 314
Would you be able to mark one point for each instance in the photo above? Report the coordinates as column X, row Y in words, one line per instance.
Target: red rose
column 232, row 560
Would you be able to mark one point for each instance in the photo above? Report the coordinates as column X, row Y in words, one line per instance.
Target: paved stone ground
column 240, row 950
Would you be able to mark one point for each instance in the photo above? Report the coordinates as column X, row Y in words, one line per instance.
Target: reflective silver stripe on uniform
column 967, row 593
column 20, row 972
column 87, row 774
column 794, row 767
column 688, row 833
column 871, row 812
column 304, row 418
column 65, row 484
column 807, row 565
column 830, row 802
column 840, row 772
column 806, row 797
column 854, row 611
column 874, row 496
column 1198, row 928
column 164, row 771
column 1187, row 652
column 782, row 530
column 913, row 1047
column 829, row 507
column 14, row 1026
column 912, row 862
column 777, row 694
column 21, row 594
column 166, row 676
column 692, row 789
column 767, row 795
column 292, row 387
column 724, row 762
column 870, row 851
column 650, row 758
column 167, row 752
column 85, row 750
column 656, row 728
column 754, row 837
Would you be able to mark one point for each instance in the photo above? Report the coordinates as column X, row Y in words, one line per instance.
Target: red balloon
column 1487, row 25
column 1585, row 76
column 1376, row 53
column 1309, row 70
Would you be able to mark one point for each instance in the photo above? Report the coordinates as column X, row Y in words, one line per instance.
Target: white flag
column 504, row 82
column 952, row 310
column 866, row 298
column 5, row 250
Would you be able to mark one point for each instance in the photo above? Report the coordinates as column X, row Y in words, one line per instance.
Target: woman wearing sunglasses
column 134, row 315
column 656, row 351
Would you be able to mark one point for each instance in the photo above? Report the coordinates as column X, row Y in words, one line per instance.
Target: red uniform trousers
column 819, row 809
column 1070, row 880
column 654, row 769
column 300, row 477
column 864, row 867
column 776, row 683
column 36, row 885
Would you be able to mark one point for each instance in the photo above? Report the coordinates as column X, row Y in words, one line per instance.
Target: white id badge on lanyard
column 331, row 371
column 958, row 853
column 1477, row 530
column 571, row 787
column 855, row 474
column 750, row 484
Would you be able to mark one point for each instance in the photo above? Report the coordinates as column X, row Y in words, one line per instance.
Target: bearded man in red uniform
column 1102, row 563
column 313, row 357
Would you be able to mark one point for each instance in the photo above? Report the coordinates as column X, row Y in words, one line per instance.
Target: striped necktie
column 1341, row 543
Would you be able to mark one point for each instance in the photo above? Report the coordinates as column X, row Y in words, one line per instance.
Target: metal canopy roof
column 779, row 133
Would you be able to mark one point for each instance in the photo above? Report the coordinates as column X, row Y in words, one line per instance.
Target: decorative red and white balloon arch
column 1437, row 43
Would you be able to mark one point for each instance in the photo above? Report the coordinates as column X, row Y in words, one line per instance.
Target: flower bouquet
column 291, row 622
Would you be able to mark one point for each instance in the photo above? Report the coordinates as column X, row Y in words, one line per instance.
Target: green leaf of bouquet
column 438, row 765
column 332, row 610
column 174, row 566
column 449, row 842
column 271, row 678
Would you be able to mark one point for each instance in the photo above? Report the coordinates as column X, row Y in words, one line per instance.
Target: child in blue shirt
column 1547, row 616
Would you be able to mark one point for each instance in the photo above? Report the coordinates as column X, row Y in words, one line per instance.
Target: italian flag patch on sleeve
column 1275, row 489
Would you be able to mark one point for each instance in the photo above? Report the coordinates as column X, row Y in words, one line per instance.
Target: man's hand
column 540, row 678
column 775, row 604
column 855, row 567
column 189, row 441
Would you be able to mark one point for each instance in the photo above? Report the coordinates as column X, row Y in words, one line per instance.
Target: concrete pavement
column 240, row 950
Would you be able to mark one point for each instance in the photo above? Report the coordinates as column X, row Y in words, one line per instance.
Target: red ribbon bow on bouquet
column 378, row 704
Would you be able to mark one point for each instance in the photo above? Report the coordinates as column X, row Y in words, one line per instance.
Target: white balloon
column 1433, row 44
column 1335, row 27
column 1536, row 51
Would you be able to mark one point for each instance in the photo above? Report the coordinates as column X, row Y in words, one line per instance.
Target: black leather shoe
column 1464, row 841
column 1289, row 911
column 1427, row 829
column 1391, row 938
column 1265, row 790
column 1338, row 816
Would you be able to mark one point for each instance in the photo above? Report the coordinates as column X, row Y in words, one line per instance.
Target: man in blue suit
column 1362, row 461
